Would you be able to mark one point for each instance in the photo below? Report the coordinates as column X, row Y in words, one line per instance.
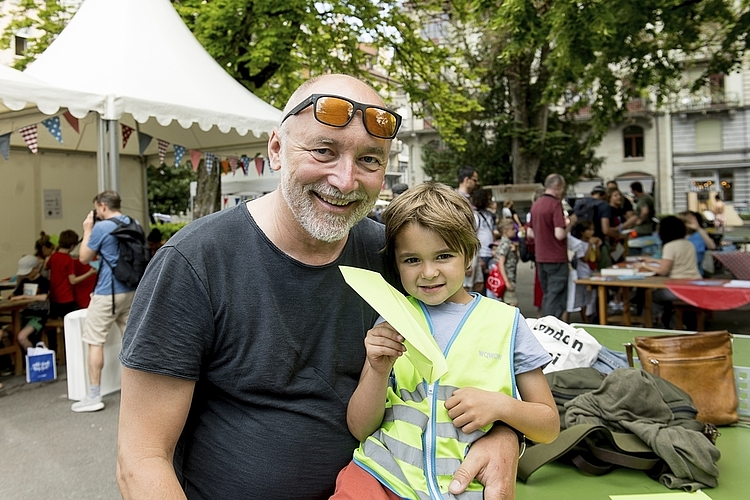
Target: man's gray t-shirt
column 275, row 346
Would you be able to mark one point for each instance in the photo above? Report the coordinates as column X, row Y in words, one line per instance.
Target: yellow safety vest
column 416, row 450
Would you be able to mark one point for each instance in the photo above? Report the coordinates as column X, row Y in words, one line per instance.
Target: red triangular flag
column 195, row 158
column 72, row 121
column 163, row 145
column 126, row 131
column 259, row 164
column 233, row 163
column 31, row 136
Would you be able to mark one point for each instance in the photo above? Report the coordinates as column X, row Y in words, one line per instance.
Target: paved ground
column 50, row 452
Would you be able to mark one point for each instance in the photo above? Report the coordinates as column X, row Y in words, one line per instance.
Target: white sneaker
column 88, row 404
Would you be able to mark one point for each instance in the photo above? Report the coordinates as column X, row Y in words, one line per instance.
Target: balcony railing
column 707, row 100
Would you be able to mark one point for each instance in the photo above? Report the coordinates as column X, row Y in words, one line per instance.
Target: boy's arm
column 536, row 416
column 366, row 407
column 503, row 273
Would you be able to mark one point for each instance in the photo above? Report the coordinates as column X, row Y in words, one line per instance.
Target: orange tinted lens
column 334, row 111
column 380, row 123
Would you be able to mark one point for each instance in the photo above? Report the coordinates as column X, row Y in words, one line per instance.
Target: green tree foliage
column 45, row 19
column 169, row 189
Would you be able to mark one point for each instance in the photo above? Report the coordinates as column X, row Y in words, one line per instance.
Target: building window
column 726, row 181
column 20, row 45
column 633, row 141
column 708, row 135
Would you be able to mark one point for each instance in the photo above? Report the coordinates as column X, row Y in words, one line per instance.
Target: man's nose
column 344, row 175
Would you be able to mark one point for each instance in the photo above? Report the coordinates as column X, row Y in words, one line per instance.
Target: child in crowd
column 506, row 256
column 585, row 248
column 63, row 277
column 35, row 315
column 490, row 351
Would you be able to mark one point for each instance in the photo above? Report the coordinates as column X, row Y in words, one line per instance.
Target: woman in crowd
column 484, row 217
column 678, row 261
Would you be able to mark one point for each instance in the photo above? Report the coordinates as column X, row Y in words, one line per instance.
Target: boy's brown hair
column 504, row 225
column 68, row 239
column 438, row 208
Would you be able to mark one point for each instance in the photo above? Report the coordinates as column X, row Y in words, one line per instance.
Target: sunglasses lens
column 380, row 123
column 333, row 111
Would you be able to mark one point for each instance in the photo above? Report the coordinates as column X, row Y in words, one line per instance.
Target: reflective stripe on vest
column 417, row 449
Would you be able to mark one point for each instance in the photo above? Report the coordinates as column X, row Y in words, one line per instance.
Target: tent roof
column 149, row 67
column 25, row 100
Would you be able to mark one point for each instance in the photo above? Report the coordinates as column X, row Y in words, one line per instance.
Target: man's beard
column 323, row 226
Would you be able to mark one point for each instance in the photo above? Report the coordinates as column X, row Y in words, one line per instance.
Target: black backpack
column 587, row 208
column 133, row 252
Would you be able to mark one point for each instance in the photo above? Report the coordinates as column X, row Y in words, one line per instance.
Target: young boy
column 34, row 316
column 62, row 276
column 430, row 241
column 506, row 256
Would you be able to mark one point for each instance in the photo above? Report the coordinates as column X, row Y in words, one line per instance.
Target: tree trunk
column 208, row 192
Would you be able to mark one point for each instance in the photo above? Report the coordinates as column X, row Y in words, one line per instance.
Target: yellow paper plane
column 421, row 349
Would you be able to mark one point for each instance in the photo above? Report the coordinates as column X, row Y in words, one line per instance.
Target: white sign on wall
column 52, row 204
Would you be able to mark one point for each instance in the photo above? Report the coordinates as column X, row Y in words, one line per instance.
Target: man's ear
column 274, row 150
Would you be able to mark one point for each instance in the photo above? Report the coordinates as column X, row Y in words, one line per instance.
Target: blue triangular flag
column 179, row 152
column 53, row 125
column 5, row 146
column 143, row 141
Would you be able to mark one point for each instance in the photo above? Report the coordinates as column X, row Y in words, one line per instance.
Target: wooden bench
column 58, row 326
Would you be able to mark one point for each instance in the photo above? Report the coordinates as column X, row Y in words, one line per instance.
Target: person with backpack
column 114, row 290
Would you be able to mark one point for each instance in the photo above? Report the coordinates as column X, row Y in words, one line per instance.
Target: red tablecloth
column 709, row 296
column 738, row 263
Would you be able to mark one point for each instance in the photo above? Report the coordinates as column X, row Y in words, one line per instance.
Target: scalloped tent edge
column 152, row 75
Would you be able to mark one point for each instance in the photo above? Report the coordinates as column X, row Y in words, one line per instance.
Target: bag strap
column 629, row 352
column 541, row 454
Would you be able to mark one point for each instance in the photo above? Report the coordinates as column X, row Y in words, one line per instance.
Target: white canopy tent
column 155, row 77
column 127, row 61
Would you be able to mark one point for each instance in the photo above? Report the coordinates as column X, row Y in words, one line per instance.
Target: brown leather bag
column 700, row 364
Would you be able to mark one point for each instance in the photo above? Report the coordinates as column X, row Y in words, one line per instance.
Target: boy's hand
column 384, row 345
column 472, row 408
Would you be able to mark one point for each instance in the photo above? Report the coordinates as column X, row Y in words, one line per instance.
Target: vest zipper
column 429, row 445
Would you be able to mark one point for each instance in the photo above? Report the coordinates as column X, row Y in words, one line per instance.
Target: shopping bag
column 40, row 364
column 569, row 347
column 495, row 282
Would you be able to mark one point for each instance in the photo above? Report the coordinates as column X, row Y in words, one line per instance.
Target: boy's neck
column 64, row 250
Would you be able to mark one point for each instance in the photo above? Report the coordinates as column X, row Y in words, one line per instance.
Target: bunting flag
column 72, row 121
column 53, row 126
column 225, row 166
column 195, row 158
column 5, row 146
column 259, row 164
column 179, row 152
column 209, row 162
column 245, row 163
column 30, row 135
column 143, row 141
column 233, row 164
column 163, row 145
column 126, row 131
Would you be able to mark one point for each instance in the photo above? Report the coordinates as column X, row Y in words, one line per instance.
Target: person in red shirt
column 63, row 276
column 550, row 228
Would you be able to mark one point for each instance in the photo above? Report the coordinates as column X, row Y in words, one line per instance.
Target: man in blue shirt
column 104, row 309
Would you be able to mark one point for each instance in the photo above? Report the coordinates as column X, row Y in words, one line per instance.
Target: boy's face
column 588, row 233
column 510, row 232
column 429, row 270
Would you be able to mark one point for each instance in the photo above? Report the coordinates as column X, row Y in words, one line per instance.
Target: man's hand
column 88, row 222
column 493, row 460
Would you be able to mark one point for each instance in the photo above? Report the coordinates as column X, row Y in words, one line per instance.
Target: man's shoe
column 88, row 404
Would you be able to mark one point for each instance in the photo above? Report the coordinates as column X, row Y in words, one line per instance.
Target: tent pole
column 101, row 155
column 114, row 156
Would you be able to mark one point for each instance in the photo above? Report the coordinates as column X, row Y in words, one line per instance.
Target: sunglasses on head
column 337, row 111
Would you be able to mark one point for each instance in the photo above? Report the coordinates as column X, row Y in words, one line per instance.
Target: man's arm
column 493, row 460
column 85, row 254
column 562, row 232
column 153, row 411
